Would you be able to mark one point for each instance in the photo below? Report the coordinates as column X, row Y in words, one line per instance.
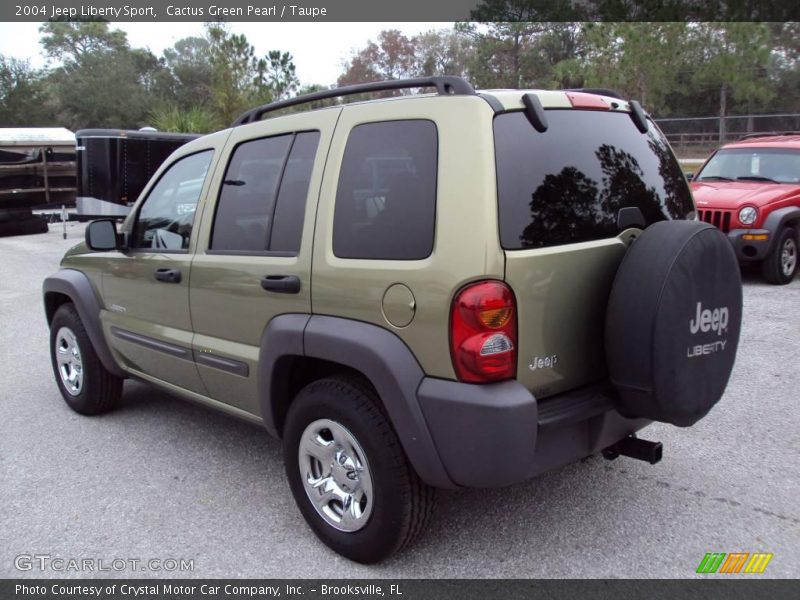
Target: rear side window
column 262, row 201
column 568, row 184
column 386, row 199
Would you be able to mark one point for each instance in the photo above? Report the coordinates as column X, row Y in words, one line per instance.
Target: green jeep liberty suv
column 439, row 290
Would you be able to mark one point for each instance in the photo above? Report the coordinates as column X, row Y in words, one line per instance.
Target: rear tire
column 85, row 384
column 338, row 444
column 780, row 267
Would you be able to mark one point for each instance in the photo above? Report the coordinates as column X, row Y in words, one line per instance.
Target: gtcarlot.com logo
column 46, row 562
column 735, row 562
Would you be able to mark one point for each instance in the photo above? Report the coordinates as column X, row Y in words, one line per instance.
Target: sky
column 319, row 49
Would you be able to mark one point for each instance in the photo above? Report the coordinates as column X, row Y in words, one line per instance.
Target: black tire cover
column 673, row 322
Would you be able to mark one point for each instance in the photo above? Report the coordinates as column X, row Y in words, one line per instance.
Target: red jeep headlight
column 748, row 215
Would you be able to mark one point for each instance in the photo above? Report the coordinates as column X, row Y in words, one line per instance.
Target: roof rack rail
column 768, row 134
column 598, row 92
column 445, row 86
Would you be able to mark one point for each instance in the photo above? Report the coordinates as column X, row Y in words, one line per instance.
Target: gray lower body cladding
column 499, row 434
column 753, row 250
column 454, row 434
column 750, row 250
column 77, row 287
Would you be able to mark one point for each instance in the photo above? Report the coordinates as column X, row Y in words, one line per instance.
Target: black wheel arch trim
column 377, row 353
column 79, row 289
column 778, row 219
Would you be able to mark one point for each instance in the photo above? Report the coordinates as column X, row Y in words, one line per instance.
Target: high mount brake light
column 483, row 332
column 587, row 101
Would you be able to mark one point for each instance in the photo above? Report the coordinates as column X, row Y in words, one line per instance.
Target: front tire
column 780, row 267
column 85, row 384
column 348, row 473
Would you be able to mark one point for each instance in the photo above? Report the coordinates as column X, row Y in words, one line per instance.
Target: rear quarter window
column 567, row 185
column 386, row 198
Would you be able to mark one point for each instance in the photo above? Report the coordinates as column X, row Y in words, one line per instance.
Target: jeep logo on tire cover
column 704, row 321
column 708, row 320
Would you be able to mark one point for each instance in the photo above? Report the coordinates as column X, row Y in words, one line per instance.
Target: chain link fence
column 696, row 137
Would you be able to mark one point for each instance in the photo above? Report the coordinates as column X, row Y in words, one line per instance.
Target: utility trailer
column 37, row 171
column 114, row 166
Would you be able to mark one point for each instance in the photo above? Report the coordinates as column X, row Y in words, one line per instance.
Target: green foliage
column 232, row 61
column 240, row 79
column 186, row 78
column 733, row 59
column 70, row 41
column 392, row 56
column 195, row 119
column 99, row 81
column 104, row 91
column 784, row 67
column 276, row 76
column 672, row 67
column 522, row 54
column 641, row 60
column 23, row 98
column 443, row 52
column 95, row 79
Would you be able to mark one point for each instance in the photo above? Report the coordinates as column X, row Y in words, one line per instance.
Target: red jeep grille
column 718, row 218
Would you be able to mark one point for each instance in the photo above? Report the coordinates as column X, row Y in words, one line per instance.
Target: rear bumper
column 750, row 250
column 499, row 434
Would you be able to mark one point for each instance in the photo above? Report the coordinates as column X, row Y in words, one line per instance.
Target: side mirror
column 102, row 235
column 689, row 176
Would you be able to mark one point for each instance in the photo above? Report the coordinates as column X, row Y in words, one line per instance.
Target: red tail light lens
column 483, row 332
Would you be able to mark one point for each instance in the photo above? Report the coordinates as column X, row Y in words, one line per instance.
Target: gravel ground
column 163, row 478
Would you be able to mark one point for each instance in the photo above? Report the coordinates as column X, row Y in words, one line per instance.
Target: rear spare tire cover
column 673, row 322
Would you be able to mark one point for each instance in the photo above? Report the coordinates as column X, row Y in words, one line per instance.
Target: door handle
column 168, row 275
column 282, row 284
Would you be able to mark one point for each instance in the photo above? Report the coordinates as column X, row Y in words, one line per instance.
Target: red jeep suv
column 750, row 189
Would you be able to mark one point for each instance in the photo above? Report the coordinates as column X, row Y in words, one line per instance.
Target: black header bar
column 405, row 10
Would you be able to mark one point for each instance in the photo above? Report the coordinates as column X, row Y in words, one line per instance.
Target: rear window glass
column 386, row 199
column 568, row 184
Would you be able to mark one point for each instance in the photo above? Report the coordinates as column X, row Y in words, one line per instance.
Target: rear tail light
column 483, row 332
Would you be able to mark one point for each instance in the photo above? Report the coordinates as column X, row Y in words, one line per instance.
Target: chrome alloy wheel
column 335, row 475
column 789, row 257
column 68, row 359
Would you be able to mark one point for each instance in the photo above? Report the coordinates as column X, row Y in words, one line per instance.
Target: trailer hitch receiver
column 634, row 447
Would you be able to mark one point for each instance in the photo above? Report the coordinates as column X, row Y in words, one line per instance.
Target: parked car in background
column 751, row 190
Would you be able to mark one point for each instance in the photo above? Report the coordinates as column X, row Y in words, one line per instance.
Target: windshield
column 773, row 165
column 568, row 184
